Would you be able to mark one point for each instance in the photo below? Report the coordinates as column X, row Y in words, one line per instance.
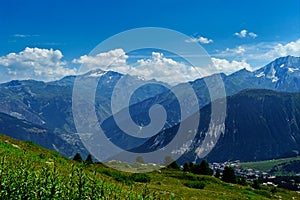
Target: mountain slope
column 260, row 125
column 50, row 104
column 31, row 172
column 282, row 74
column 26, row 131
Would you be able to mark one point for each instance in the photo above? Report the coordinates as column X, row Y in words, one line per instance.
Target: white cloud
column 165, row 69
column 241, row 34
column 253, row 35
column 114, row 60
column 280, row 50
column 270, row 51
column 244, row 33
column 34, row 63
column 24, row 35
column 237, row 50
column 202, row 40
column 227, row 67
column 155, row 67
column 260, row 54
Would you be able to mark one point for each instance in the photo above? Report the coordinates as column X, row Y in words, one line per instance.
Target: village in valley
column 264, row 178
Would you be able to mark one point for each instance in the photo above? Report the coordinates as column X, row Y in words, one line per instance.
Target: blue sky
column 230, row 31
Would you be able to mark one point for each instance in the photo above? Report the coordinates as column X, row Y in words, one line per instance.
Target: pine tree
column 202, row 168
column 186, row 167
column 174, row 165
column 205, row 169
column 256, row 185
column 218, row 174
column 229, row 175
column 89, row 159
column 78, row 157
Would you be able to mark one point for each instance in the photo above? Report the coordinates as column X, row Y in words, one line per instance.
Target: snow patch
column 183, row 149
column 16, row 115
column 141, row 78
column 275, row 79
column 273, row 76
column 97, row 74
column 260, row 74
column 292, row 69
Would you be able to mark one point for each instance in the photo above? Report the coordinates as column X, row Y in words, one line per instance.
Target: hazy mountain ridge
column 50, row 104
column 233, row 84
column 260, row 125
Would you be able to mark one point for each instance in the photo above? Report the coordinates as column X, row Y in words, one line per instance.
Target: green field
column 28, row 171
column 268, row 165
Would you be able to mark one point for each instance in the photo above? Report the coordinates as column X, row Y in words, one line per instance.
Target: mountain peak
column 287, row 61
column 280, row 69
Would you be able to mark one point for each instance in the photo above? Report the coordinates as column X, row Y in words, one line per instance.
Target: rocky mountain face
column 50, row 104
column 280, row 75
column 260, row 125
column 27, row 131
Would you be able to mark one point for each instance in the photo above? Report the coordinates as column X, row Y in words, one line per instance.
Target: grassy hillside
column 28, row 171
column 277, row 167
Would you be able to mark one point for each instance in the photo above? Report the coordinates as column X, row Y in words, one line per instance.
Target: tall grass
column 28, row 176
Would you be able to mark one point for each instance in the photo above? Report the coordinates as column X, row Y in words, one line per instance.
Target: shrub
column 140, row 177
column 118, row 176
column 256, row 184
column 242, row 181
column 195, row 184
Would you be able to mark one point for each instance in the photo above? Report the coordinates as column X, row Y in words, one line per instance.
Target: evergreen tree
column 195, row 168
column 205, row 169
column 202, row 168
column 229, row 175
column 89, row 159
column 218, row 174
column 256, row 185
column 242, row 181
column 78, row 157
column 186, row 167
column 174, row 165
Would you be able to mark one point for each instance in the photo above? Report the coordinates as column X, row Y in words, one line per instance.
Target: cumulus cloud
column 157, row 66
column 114, row 60
column 253, row 35
column 260, row 54
column 228, row 67
column 237, row 50
column 263, row 51
column 165, row 69
column 202, row 40
column 244, row 33
column 34, row 63
column 280, row 50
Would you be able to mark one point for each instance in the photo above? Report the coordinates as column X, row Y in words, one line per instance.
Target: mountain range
column 260, row 123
